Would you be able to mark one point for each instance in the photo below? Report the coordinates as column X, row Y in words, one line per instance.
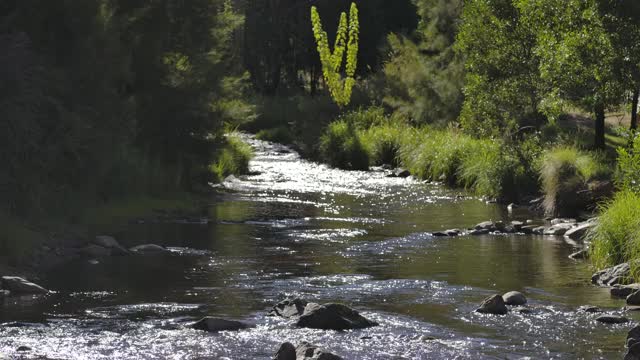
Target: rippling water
column 296, row 228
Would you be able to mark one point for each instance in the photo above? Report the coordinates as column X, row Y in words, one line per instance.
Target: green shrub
column 628, row 172
column 340, row 147
column 616, row 237
column 564, row 172
column 365, row 118
column 383, row 142
column 232, row 159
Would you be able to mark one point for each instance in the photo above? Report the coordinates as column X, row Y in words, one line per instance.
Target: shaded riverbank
column 296, row 228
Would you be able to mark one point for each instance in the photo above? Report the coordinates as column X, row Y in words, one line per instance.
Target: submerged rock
column 558, row 229
column 580, row 255
column 332, row 317
column 633, row 353
column 633, row 336
column 475, row 232
column 289, row 308
column 20, row 286
column 634, row 298
column 211, row 324
column 619, row 274
column 559, row 221
column 514, row 298
column 286, row 352
column 590, row 309
column 149, row 249
column 612, row 319
column 110, row 243
column 493, row 305
column 96, row 251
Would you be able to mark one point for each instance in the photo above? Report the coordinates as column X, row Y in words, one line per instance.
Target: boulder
column 612, row 319
column 633, row 353
column 306, row 351
column 453, row 232
column 517, row 225
column 580, row 255
column 475, row 232
column 493, row 305
column 578, row 232
column 23, row 349
column 622, row 291
column 111, row 244
column 20, row 286
column 558, row 229
column 289, row 308
column 487, row 225
column 559, row 221
column 439, row 234
column 211, row 324
column 332, row 317
column 286, row 352
column 514, row 298
column 634, row 298
column 619, row 274
column 633, row 336
column 149, row 249
column 402, row 173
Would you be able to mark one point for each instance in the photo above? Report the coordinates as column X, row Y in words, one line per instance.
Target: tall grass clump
column 232, row 159
column 564, row 172
column 616, row 237
column 340, row 146
column 383, row 142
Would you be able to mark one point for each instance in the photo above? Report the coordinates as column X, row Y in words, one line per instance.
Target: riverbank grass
column 616, row 238
column 232, row 159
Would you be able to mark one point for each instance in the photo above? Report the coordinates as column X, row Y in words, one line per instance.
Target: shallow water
column 296, row 228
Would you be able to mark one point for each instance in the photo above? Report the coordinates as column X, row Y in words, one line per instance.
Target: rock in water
column 634, row 298
column 558, row 229
column 633, row 336
column 215, row 325
column 590, row 309
column 619, row 274
column 332, row 317
column 306, row 351
column 612, row 319
column 96, row 251
column 4, row 294
column 286, row 352
column 633, row 353
column 578, row 233
column 289, row 308
column 580, row 255
column 111, row 244
column 149, row 249
column 402, row 173
column 493, row 305
column 20, row 286
column 514, row 298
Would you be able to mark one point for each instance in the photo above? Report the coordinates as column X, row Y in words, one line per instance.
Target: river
column 297, row 228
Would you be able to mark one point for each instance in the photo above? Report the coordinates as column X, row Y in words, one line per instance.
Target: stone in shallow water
column 514, row 298
column 149, row 249
column 633, row 336
column 111, row 244
column 634, row 298
column 286, row 352
column 580, row 255
column 633, row 353
column 612, row 319
column 332, row 317
column 20, row 286
column 579, row 232
column 590, row 309
column 215, row 325
column 622, row 291
column 289, row 308
column 493, row 305
column 619, row 274
column 558, row 230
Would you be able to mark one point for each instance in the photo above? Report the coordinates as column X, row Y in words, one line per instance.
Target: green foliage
column 616, row 237
column 339, row 89
column 564, row 172
column 628, row 174
column 280, row 135
column 424, row 75
column 232, row 159
column 341, row 147
column 382, row 142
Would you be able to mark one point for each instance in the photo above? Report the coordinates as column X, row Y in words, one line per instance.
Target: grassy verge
column 232, row 159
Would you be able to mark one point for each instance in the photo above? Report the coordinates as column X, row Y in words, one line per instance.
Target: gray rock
column 211, row 324
column 487, row 225
column 619, row 274
column 634, row 299
column 633, row 353
column 590, row 309
column 538, row 230
column 96, row 251
column 20, row 286
column 289, row 308
column 439, row 234
column 23, row 349
column 622, row 291
column 453, row 232
column 612, row 319
column 580, row 255
column 332, row 317
column 633, row 336
column 306, row 351
column 514, row 298
column 476, row 232
column 563, row 221
column 517, row 224
column 493, row 305
column 149, row 249
column 558, row 229
column 286, row 352
column 578, row 232
column 522, row 310
column 111, row 244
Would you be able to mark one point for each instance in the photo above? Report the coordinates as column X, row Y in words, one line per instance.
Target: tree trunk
column 599, row 142
column 634, row 109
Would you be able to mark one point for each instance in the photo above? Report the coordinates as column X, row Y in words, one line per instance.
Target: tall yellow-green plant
column 346, row 39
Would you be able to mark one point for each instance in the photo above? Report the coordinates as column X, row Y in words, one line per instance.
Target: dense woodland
column 105, row 99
